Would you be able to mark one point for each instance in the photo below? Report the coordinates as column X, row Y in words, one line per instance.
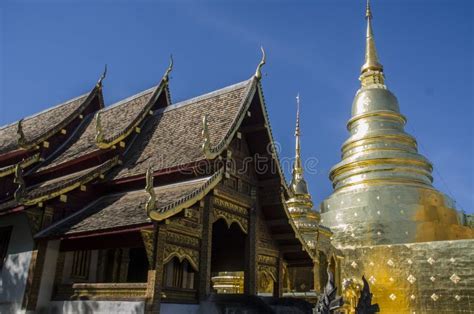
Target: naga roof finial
column 206, row 144
column 21, row 135
column 169, row 69
column 258, row 72
column 102, row 77
column 151, row 202
column 20, row 191
column 99, row 135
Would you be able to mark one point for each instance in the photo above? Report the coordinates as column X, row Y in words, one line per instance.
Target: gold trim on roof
column 188, row 200
column 23, row 142
column 211, row 152
column 23, row 164
column 73, row 184
column 105, row 143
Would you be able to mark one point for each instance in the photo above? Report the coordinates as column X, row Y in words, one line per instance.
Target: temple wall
column 15, row 270
column 96, row 307
column 416, row 278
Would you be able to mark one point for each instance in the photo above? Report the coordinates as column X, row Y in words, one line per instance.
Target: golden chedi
column 383, row 192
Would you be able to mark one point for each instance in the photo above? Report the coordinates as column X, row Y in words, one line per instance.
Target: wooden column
column 250, row 283
column 278, row 287
column 155, row 274
column 206, row 249
column 35, row 273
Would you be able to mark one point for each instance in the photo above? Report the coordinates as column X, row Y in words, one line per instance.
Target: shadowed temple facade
column 150, row 206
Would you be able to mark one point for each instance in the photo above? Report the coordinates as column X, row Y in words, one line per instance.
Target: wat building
column 393, row 226
column 151, row 206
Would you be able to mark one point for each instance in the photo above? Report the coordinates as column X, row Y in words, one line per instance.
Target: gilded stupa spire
column 297, row 165
column 372, row 69
column 298, row 184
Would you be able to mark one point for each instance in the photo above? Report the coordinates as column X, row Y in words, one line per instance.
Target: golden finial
column 102, row 77
column 151, row 202
column 297, row 166
column 21, row 135
column 20, row 191
column 372, row 69
column 206, row 144
column 99, row 135
column 258, row 72
column 298, row 184
column 170, row 68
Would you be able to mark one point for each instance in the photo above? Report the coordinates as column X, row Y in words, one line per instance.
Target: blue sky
column 54, row 50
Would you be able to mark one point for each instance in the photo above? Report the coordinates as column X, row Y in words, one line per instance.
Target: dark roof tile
column 121, row 210
column 37, row 125
column 173, row 137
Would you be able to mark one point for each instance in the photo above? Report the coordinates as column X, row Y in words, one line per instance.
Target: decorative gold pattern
column 191, row 255
column 147, row 237
column 230, row 218
column 23, row 164
column 182, row 239
column 186, row 201
column 72, row 185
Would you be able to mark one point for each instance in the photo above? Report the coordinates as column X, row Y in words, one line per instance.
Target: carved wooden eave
column 104, row 143
column 25, row 163
column 71, row 185
column 166, row 211
column 182, row 253
column 211, row 152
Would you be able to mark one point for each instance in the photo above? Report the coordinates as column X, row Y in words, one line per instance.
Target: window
column 5, row 233
column 80, row 264
column 178, row 274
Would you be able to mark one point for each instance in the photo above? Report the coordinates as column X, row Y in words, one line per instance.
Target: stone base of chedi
column 429, row 277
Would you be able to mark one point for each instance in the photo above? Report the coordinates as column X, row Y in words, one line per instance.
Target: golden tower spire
column 297, row 166
column 298, row 184
column 372, row 69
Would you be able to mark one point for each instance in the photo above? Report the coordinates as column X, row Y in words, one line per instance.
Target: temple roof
column 173, row 136
column 114, row 119
column 40, row 126
column 125, row 209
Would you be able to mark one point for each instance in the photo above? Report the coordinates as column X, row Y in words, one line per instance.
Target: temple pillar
column 34, row 276
column 250, row 277
column 206, row 249
column 278, row 286
column 155, row 274
column 41, row 275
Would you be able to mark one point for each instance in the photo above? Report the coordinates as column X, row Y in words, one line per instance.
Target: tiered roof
column 112, row 149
